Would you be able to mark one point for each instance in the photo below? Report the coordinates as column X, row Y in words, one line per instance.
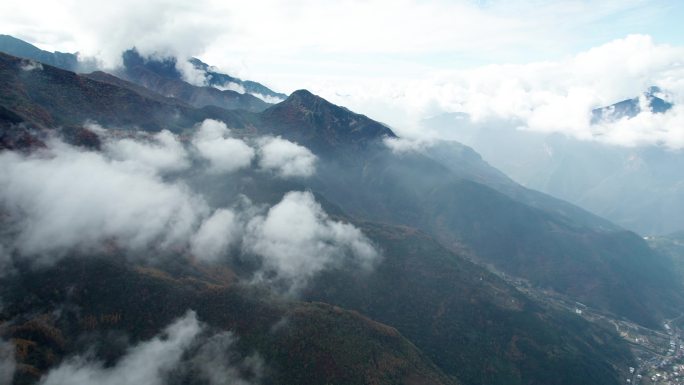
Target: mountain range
column 444, row 303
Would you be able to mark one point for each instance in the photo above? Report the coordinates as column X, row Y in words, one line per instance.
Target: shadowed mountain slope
column 107, row 303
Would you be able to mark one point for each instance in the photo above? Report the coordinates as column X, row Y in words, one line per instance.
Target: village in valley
column 659, row 353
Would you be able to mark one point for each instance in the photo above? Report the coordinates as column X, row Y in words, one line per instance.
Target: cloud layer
column 161, row 152
column 132, row 197
column 65, row 198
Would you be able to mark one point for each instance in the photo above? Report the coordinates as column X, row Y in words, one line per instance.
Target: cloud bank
column 132, row 197
column 552, row 96
column 64, row 198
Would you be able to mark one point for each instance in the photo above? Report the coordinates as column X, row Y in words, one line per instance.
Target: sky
column 399, row 61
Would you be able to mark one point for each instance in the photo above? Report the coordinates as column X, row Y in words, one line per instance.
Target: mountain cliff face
column 426, row 313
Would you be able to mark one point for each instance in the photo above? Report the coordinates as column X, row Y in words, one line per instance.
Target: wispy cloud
column 7, row 362
column 64, row 197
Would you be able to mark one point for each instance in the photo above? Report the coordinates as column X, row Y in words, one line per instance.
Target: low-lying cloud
column 297, row 239
column 230, row 86
column 131, row 196
column 64, row 198
column 285, row 158
column 161, row 152
column 216, row 234
column 147, row 363
column 224, row 153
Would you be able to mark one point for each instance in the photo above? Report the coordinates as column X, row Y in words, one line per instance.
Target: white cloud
column 647, row 128
column 405, row 65
column 64, row 198
column 225, row 154
column 147, row 363
column 161, row 152
column 552, row 96
column 297, row 239
column 268, row 98
column 191, row 74
column 406, row 145
column 232, row 87
column 105, row 29
column 7, row 362
column 216, row 234
column 30, row 65
column 285, row 158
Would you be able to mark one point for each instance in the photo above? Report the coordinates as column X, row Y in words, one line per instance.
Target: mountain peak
column 314, row 121
column 305, row 98
column 303, row 94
